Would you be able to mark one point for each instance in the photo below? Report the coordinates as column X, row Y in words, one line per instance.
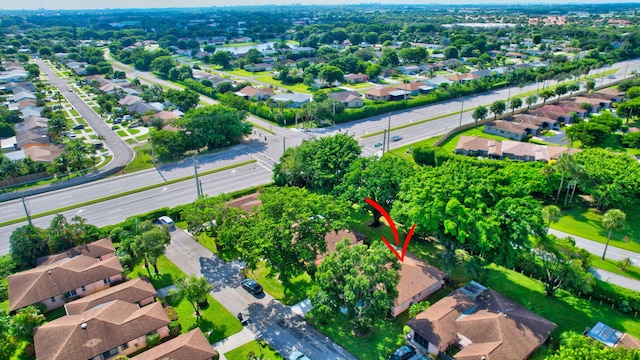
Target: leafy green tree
column 389, row 57
column 319, row 164
column 193, row 288
column 531, row 99
column 57, row 125
column 331, row 74
column 417, row 308
column 6, row 130
column 498, row 108
column 359, row 279
column 59, row 234
column 551, row 213
column 479, row 113
column 590, row 85
column 613, row 219
column 253, row 56
column 514, row 104
column 633, row 92
column 373, row 71
column 573, row 87
column 631, row 140
column 163, row 64
column 7, row 346
column 205, row 213
column 377, row 179
column 589, row 133
column 451, row 52
column 574, row 346
column 185, row 100
column 25, row 321
column 28, row 243
column 222, row 58
column 288, row 231
column 546, row 94
column 213, row 126
column 151, row 244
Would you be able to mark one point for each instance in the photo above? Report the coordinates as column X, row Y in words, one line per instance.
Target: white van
column 167, row 221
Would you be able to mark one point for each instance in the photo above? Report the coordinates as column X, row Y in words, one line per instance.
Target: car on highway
column 167, row 221
column 252, row 286
column 403, row 353
column 297, row 355
column 396, row 138
column 378, row 144
column 78, row 127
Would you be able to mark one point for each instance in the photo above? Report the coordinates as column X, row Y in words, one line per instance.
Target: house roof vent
column 83, row 326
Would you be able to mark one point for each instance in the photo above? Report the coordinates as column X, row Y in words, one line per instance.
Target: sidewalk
column 233, row 341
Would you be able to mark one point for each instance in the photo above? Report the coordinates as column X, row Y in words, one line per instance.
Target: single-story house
column 143, row 107
column 514, row 150
column 296, row 100
column 597, row 104
column 539, row 121
column 249, row 92
column 110, row 88
column 165, row 116
column 479, row 146
column 258, row 67
column 129, row 100
column 115, row 328
column 192, row 346
column 22, row 95
column 333, row 238
column 410, row 69
column 481, row 73
column 379, row 93
column 437, row 81
column 15, row 75
column 417, row 281
column 515, row 54
column 350, row 99
column 482, row 323
column 356, row 78
column 461, row 78
column 137, row 291
column 611, row 94
column 558, row 114
column 508, row 129
column 612, row 337
column 414, row 88
column 44, row 153
column 25, row 103
column 31, row 111
column 33, row 123
column 32, row 138
column 449, row 63
column 53, row 284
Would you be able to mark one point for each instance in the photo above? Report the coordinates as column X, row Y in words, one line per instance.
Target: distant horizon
column 169, row 4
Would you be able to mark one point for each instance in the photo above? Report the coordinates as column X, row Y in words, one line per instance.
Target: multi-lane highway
column 265, row 152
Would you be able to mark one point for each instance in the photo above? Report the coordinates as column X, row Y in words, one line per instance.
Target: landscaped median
column 115, row 196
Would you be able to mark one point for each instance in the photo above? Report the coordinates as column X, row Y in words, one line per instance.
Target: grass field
column 586, row 222
column 292, row 294
column 301, row 88
column 142, row 159
column 215, row 320
column 257, row 347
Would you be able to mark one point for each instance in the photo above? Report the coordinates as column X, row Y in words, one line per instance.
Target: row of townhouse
column 105, row 317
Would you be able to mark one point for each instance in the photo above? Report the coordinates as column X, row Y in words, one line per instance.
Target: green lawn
column 405, row 153
column 74, row 112
column 450, row 144
column 55, row 314
column 359, row 86
column 265, row 351
column 586, row 222
column 215, row 319
column 134, row 131
column 301, row 88
column 122, row 133
column 141, row 161
column 245, row 73
column 613, row 266
column 168, row 275
column 290, row 295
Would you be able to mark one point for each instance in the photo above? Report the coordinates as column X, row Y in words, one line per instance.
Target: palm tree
column 550, row 213
column 563, row 164
column 613, row 219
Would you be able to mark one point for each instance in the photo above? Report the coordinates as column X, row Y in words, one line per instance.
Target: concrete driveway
column 279, row 325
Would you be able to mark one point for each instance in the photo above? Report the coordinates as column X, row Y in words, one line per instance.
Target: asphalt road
column 269, row 319
column 121, row 151
column 265, row 151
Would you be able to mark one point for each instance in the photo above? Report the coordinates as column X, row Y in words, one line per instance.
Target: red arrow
column 386, row 215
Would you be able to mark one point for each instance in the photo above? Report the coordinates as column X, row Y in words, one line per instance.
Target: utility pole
column 461, row 109
column 384, row 139
column 389, row 132
column 24, row 205
column 284, row 144
column 195, row 171
column 153, row 155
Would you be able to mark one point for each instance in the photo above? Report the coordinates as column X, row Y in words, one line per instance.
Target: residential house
column 110, row 88
column 417, row 281
column 482, row 323
column 137, row 291
column 596, row 103
column 107, row 330
column 533, row 120
column 249, row 92
column 437, row 81
column 573, row 107
column 514, row 150
column 461, row 78
column 350, row 99
column 164, row 115
column 556, row 113
column 215, row 80
column 610, row 94
column 33, row 123
column 143, row 107
column 481, row 73
column 479, row 146
column 31, row 138
column 258, row 67
column 414, row 88
column 294, row 100
column 508, row 129
column 102, row 249
column 192, row 346
column 15, row 75
column 410, row 69
column 53, row 284
column 44, row 153
column 21, row 95
column 563, row 112
column 333, row 238
column 129, row 100
column 386, row 93
column 449, row 63
column 246, row 203
column 25, row 103
column 612, row 337
column 515, row 55
column 31, row 111
column 356, row 78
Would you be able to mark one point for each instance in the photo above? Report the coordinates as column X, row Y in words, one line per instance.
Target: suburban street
column 282, row 327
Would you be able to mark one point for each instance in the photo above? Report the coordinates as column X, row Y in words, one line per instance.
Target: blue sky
column 93, row 4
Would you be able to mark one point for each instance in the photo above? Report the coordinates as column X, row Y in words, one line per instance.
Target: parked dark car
column 403, row 353
column 252, row 286
column 78, row 127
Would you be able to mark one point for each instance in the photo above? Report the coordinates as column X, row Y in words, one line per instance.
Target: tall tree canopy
column 214, row 126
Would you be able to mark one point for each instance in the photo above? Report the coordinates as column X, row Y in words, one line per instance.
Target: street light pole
column 388, row 132
column 24, row 205
column 195, row 171
column 461, row 109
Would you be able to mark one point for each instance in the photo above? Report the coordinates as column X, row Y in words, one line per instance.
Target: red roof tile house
column 508, row 129
column 417, row 281
column 379, row 93
column 333, row 238
column 479, row 146
column 107, row 330
column 53, row 284
column 136, row 291
column 249, row 92
column 482, row 323
column 356, row 78
column 190, row 346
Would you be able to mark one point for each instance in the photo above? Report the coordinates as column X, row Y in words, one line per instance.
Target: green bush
column 625, row 300
column 175, row 329
column 153, row 340
column 171, row 313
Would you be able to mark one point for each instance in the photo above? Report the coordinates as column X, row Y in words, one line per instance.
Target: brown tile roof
column 475, row 143
column 593, row 101
column 94, row 249
column 44, row 153
column 251, row 91
column 416, row 276
column 344, row 96
column 490, row 325
column 532, row 119
column 611, row 91
column 512, row 127
column 333, row 238
column 414, row 86
column 246, row 203
column 132, row 291
column 109, row 325
column 190, row 346
column 40, row 283
column 555, row 109
column 380, row 92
